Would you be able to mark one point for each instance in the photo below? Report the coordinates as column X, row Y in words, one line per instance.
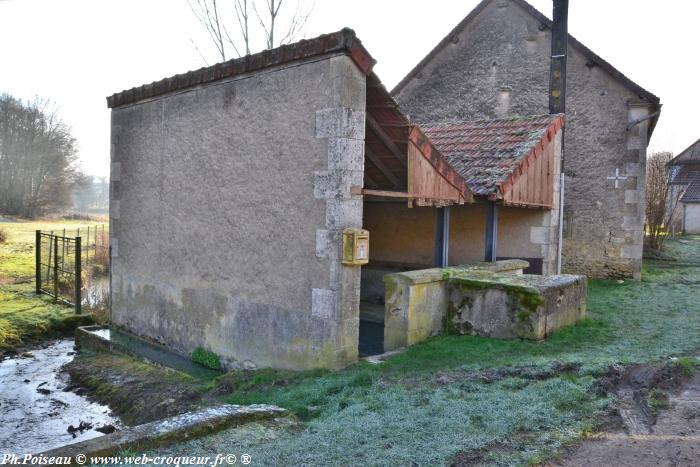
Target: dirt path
column 671, row 438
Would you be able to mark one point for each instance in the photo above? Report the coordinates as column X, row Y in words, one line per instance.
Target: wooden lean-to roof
column 401, row 161
column 511, row 160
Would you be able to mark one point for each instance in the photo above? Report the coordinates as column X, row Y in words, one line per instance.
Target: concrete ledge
column 168, row 431
column 424, row 276
column 110, row 339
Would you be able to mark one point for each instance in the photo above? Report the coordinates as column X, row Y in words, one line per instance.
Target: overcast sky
column 77, row 52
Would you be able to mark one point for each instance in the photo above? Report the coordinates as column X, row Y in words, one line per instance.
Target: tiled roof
column 344, row 41
column 488, row 152
column 684, row 174
column 687, row 175
column 692, row 193
column 690, row 155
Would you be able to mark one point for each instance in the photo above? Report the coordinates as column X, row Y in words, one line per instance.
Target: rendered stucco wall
column 401, row 234
column 499, row 65
column 227, row 204
column 692, row 218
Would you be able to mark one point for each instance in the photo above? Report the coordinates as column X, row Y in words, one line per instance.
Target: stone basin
column 504, row 306
column 478, row 301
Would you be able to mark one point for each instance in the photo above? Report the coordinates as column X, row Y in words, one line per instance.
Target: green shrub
column 206, row 358
column 657, row 400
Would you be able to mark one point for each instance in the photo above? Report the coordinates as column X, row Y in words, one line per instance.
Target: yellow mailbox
column 355, row 247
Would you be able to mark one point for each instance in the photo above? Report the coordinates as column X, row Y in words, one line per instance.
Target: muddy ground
column 659, row 415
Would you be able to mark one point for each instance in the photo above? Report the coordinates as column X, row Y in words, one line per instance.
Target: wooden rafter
column 370, row 181
column 382, row 168
column 386, row 140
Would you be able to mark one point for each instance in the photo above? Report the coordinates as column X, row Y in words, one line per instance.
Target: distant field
column 24, row 315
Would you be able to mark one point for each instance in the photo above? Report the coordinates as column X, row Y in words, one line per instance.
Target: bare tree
column 38, row 158
column 658, row 213
column 228, row 24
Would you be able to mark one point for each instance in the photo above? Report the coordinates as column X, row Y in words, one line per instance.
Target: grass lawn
column 24, row 315
column 495, row 399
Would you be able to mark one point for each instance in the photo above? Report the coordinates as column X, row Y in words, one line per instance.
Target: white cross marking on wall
column 617, row 178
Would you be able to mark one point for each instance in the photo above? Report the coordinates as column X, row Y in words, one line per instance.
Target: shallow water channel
column 37, row 404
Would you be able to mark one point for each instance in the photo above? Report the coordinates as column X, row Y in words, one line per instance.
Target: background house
column 684, row 184
column 496, row 63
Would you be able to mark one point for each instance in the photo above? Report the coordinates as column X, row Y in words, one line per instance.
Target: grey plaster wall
column 499, row 65
column 226, row 205
column 692, row 218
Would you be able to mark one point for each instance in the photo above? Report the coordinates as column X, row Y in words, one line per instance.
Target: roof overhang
column 531, row 184
column 400, row 160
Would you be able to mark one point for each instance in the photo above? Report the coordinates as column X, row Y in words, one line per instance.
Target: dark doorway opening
column 371, row 329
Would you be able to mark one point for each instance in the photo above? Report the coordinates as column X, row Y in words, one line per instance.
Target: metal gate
column 59, row 268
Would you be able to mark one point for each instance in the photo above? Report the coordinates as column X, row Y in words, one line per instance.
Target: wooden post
column 491, row 231
column 78, row 275
column 55, row 268
column 37, row 252
column 87, row 249
column 442, row 237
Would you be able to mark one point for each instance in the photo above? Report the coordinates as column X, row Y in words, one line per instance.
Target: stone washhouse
column 280, row 210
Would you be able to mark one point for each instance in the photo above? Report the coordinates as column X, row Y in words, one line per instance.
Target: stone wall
column 227, row 203
column 498, row 65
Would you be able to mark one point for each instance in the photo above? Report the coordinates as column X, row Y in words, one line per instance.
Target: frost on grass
column 398, row 425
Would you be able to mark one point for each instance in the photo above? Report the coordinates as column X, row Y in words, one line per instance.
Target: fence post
column 63, row 250
column 37, row 251
column 55, row 268
column 78, row 275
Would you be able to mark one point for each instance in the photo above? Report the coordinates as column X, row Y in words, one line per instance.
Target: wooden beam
column 384, row 193
column 382, row 168
column 355, row 190
column 379, row 131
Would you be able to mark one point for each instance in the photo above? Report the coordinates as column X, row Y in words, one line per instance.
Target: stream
column 37, row 404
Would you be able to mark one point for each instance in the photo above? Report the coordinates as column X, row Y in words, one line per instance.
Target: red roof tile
column 487, row 152
column 344, row 40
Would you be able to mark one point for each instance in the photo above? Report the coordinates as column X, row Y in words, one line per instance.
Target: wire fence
column 70, row 261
